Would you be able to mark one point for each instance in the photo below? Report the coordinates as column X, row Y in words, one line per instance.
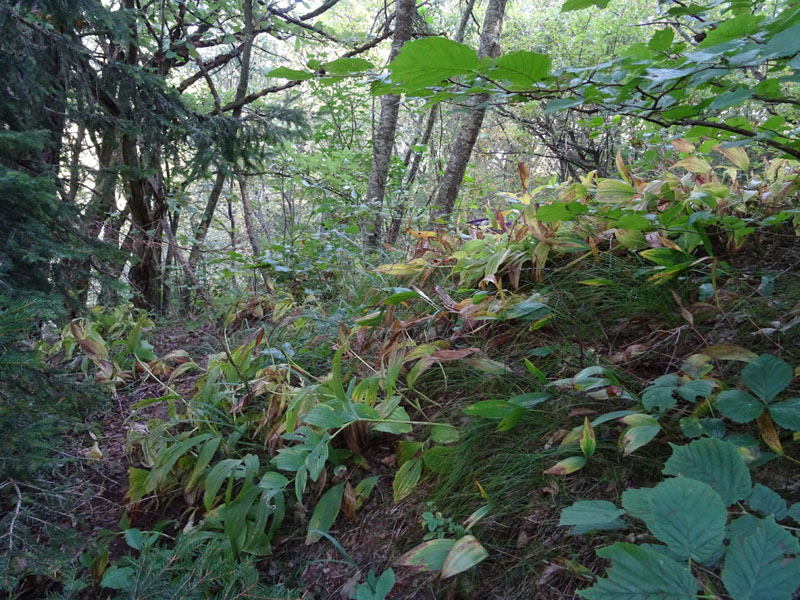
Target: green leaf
column 637, row 502
column 614, row 191
column 592, row 515
column 731, row 98
column 659, row 397
column 291, row 74
column 731, row 30
column 767, row 502
column 641, row 574
column 739, row 406
column 691, row 390
column 465, row 554
column 325, row 512
column 661, row 40
column 756, row 567
column 715, row 462
column 118, row 578
column 134, row 538
column 521, row 69
column 637, row 436
column 428, row 556
column 406, row 478
column 490, row 409
column 444, row 434
column 688, row 516
column 323, row 416
column 345, row 66
column 429, row 61
column 218, row 473
column 787, row 414
column 767, row 376
column 581, row 4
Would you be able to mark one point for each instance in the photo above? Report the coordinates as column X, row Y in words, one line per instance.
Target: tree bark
column 471, row 124
column 383, row 141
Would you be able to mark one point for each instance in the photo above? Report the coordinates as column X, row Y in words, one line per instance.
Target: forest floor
column 641, row 331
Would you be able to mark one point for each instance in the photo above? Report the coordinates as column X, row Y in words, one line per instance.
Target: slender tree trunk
column 383, row 141
column 414, row 158
column 187, row 268
column 471, row 124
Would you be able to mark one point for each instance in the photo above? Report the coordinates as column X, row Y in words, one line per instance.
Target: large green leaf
column 641, row 573
column 465, row 554
column 581, row 4
column 787, row 414
column 520, row 69
column 715, row 462
column 767, row 376
column 592, row 515
column 756, row 567
column 739, row 406
column 406, row 478
column 688, row 516
column 429, row 61
column 325, row 513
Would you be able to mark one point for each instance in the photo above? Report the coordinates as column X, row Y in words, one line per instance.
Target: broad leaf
column 465, row 554
column 688, row 516
column 325, row 512
column 641, row 573
column 739, row 406
column 756, row 567
column 592, row 515
column 715, row 462
column 786, row 414
column 406, row 478
column 767, row 376
column 429, row 61
column 767, row 502
column 520, row 69
column 581, row 4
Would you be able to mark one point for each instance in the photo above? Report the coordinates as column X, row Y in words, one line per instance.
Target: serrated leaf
column 756, row 567
column 325, row 513
column 786, row 414
column 465, row 554
column 688, row 516
column 429, row 61
column 637, row 502
column 406, row 478
column 766, row 501
column 715, row 462
column 639, row 573
column 691, row 390
column 659, row 397
column 521, row 69
column 592, row 515
column 739, row 406
column 767, row 376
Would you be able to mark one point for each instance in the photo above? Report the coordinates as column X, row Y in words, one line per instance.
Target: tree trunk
column 471, row 124
column 413, row 159
column 383, row 141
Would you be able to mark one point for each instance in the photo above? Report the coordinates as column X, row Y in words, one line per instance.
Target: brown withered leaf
column 349, row 502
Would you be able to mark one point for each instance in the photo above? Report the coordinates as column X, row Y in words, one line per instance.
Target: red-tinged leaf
column 524, row 176
column 588, row 442
column 682, row 145
column 567, row 466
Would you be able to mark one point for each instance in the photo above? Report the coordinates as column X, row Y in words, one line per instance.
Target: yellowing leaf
column 403, row 269
column 567, row 466
column 768, row 432
column 694, row 164
column 465, row 554
column 730, row 352
column 736, row 155
column 682, row 145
